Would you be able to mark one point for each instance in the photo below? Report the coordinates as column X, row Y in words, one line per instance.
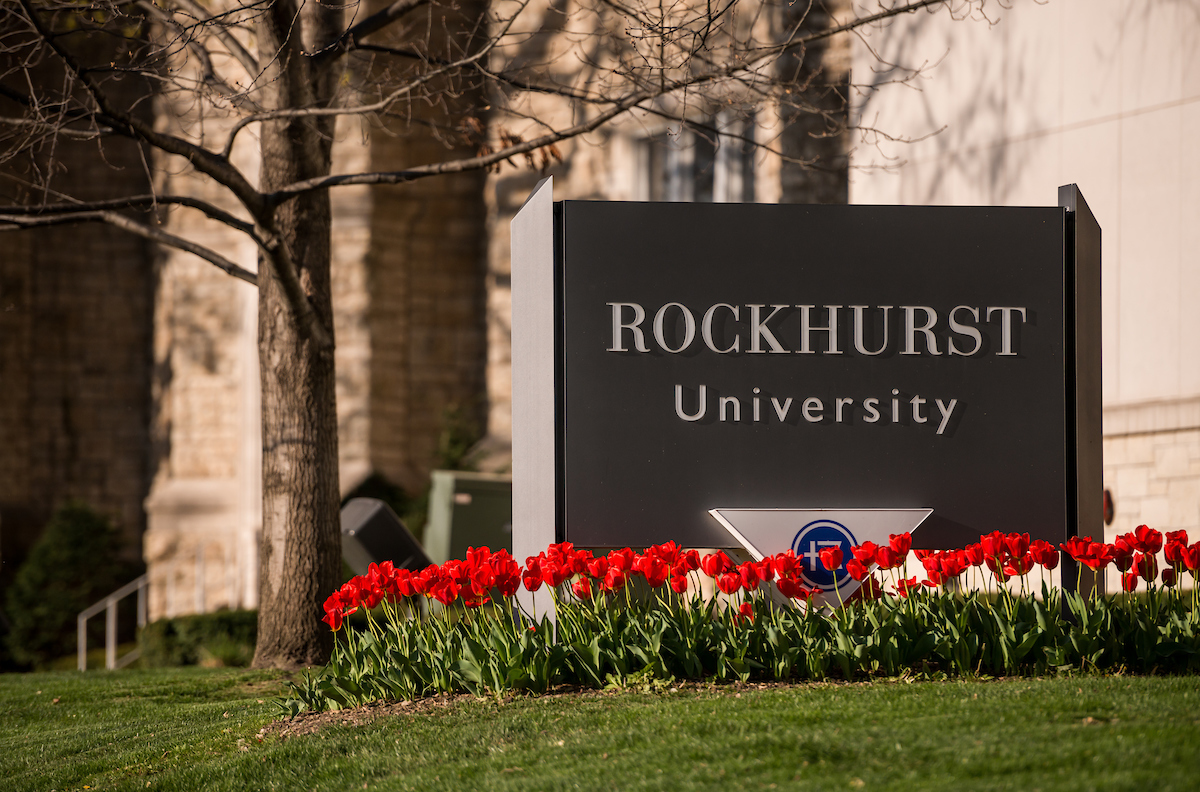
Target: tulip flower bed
column 626, row 617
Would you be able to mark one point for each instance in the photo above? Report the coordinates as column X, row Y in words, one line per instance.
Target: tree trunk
column 300, row 555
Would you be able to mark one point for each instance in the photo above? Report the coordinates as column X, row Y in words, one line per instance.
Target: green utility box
column 468, row 510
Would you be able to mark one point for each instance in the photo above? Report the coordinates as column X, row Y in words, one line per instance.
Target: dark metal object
column 371, row 532
column 468, row 510
column 1086, row 496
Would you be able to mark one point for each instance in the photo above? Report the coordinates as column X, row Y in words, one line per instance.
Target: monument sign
column 675, row 359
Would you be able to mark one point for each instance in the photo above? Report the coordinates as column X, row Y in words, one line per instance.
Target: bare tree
column 189, row 81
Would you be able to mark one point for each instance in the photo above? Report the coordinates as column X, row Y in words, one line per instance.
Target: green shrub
column 74, row 564
column 224, row 638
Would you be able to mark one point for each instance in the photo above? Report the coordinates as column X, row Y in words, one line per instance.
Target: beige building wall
column 409, row 316
column 1105, row 94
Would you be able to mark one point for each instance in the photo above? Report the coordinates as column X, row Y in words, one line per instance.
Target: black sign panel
column 759, row 356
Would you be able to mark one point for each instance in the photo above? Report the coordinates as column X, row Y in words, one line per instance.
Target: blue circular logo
column 812, row 539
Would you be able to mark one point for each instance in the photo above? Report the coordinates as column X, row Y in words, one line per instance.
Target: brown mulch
column 310, row 722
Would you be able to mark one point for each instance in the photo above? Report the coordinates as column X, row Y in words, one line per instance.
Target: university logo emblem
column 811, row 540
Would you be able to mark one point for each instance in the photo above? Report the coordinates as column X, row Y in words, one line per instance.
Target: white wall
column 1103, row 93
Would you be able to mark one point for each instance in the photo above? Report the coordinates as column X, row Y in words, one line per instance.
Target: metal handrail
column 109, row 605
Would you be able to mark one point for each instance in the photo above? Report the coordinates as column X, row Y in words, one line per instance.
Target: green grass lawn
column 195, row 729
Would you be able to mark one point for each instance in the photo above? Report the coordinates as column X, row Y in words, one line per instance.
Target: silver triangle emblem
column 765, row 532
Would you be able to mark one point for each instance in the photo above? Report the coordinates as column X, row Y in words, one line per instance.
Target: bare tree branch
column 389, row 100
column 133, row 202
column 240, row 53
column 377, row 21
column 217, row 167
column 17, row 222
column 618, row 107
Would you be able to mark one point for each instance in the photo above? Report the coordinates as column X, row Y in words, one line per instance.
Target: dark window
column 703, row 163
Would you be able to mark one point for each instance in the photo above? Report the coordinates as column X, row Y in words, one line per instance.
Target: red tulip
column 901, row 543
column 1168, row 577
column 887, row 558
column 1150, row 540
column 790, row 587
column 865, row 552
column 954, row 563
column 715, row 564
column 766, row 571
column 336, row 604
column 532, row 576
column 729, row 582
column 1147, row 566
column 1016, row 566
column 1122, row 553
column 1097, row 555
column 1044, row 553
column 1174, row 549
column 653, row 568
column 973, row 553
column 456, row 570
column 508, row 573
column 784, row 564
column 746, row 612
column 482, row 580
column 1076, row 546
column 560, row 552
column 334, row 619
column 668, row 552
column 477, row 556
column 426, row 578
column 614, row 580
column 554, row 573
column 404, row 583
column 1129, row 581
column 749, row 574
column 598, row 567
column 679, row 582
column 579, row 561
column 621, row 559
column 831, row 557
column 691, row 560
column 582, row 588
column 904, row 587
column 532, row 579
column 1177, row 536
column 993, row 545
column 856, row 569
column 445, row 590
column 1191, row 559
column 1017, row 544
column 368, row 595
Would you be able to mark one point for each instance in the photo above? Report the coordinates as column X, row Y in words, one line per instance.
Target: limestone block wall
column 1152, row 465
column 204, row 511
column 424, row 268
